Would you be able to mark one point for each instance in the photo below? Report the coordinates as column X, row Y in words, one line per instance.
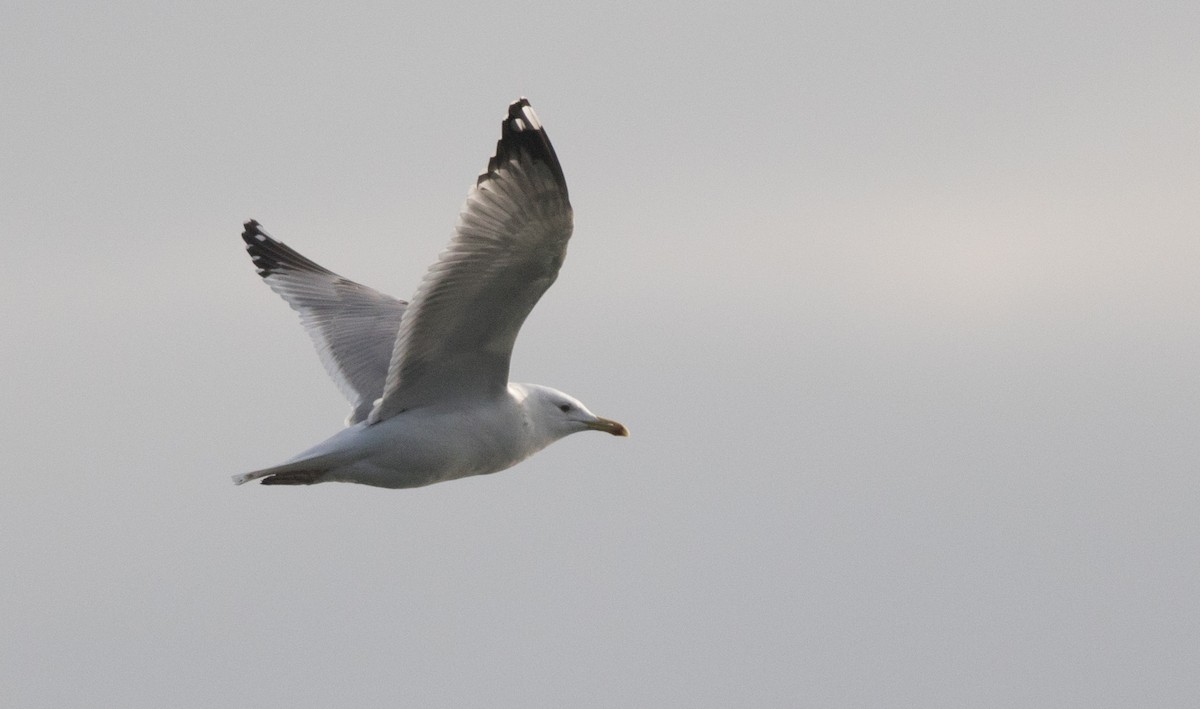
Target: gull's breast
column 426, row 446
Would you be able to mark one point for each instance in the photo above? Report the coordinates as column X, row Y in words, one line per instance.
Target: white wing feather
column 456, row 338
column 353, row 327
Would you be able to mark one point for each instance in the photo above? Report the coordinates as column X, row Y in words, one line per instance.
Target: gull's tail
column 300, row 472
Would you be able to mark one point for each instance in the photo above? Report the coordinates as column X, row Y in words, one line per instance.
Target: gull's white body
column 428, row 380
column 412, row 450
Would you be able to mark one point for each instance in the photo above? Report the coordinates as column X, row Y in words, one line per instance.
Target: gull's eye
column 564, row 408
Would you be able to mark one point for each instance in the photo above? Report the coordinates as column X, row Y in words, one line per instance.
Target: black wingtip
column 522, row 131
column 259, row 245
column 270, row 255
column 253, row 234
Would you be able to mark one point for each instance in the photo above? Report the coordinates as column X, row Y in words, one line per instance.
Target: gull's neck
column 537, row 432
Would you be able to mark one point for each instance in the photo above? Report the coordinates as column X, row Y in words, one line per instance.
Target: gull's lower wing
column 352, row 326
column 457, row 336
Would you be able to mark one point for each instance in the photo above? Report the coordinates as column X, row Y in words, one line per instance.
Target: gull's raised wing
column 457, row 336
column 352, row 326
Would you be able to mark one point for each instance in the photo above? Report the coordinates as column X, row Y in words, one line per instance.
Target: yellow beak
column 608, row 426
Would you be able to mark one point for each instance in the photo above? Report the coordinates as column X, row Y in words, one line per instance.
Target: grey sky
column 898, row 301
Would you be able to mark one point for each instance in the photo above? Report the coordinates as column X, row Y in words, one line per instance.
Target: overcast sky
column 899, row 302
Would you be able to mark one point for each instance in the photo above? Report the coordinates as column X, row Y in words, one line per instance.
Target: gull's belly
column 427, row 447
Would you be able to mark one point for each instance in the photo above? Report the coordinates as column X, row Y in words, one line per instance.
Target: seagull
column 428, row 379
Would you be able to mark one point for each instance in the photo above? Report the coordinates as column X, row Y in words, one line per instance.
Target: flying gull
column 428, row 379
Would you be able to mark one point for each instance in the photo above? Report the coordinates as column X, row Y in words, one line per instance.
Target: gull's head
column 557, row 414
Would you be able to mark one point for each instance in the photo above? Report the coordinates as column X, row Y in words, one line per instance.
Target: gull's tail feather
column 300, row 472
column 295, row 477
